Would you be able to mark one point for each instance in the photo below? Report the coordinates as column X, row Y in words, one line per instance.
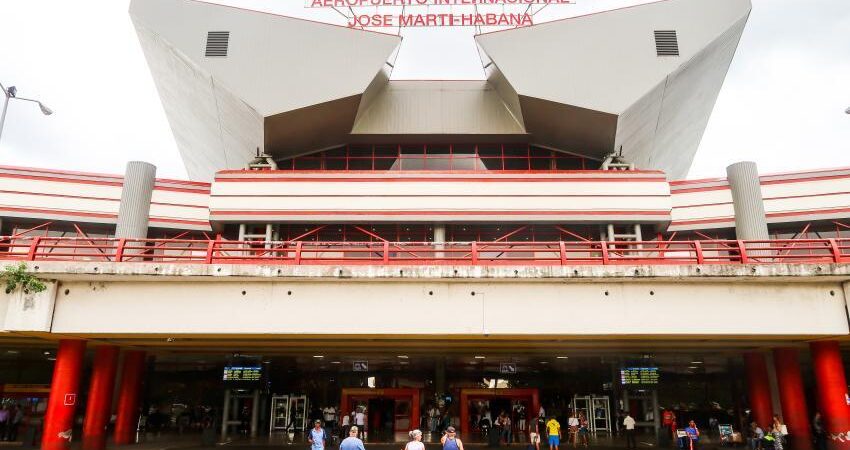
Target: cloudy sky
column 782, row 104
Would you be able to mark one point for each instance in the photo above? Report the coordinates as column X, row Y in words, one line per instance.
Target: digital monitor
column 639, row 375
column 242, row 373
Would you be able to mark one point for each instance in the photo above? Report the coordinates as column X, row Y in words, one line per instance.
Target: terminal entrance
column 277, row 397
column 387, row 413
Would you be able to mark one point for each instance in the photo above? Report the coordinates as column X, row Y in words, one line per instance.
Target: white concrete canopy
column 602, row 71
column 586, row 85
column 218, row 105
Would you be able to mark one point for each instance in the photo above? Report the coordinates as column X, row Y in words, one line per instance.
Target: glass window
column 438, row 164
column 386, row 151
column 335, row 164
column 492, row 163
column 308, row 163
column 516, row 163
column 490, row 150
column 360, row 164
column 360, row 151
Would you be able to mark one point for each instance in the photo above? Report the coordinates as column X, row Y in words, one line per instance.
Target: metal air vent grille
column 666, row 43
column 217, row 42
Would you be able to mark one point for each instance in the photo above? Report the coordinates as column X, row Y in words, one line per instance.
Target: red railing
column 192, row 251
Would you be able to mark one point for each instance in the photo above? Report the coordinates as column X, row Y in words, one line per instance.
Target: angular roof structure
column 643, row 78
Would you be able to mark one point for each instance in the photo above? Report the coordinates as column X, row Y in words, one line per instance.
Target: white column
column 750, row 221
column 134, row 209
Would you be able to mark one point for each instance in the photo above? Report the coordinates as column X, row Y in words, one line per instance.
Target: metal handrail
column 203, row 251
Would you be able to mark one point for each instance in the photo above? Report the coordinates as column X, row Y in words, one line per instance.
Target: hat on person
column 317, row 421
column 450, row 429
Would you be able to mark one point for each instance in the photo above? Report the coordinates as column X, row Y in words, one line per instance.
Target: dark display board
column 639, row 375
column 242, row 373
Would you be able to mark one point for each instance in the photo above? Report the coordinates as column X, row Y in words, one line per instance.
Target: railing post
column 298, row 252
column 742, row 252
column 474, row 253
column 386, row 252
column 605, row 259
column 208, row 259
column 836, row 250
column 563, row 250
column 698, row 251
column 119, row 250
column 33, row 248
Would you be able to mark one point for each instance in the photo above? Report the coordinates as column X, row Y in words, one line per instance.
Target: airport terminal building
column 427, row 252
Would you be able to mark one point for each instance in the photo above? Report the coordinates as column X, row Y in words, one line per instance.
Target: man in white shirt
column 329, row 414
column 360, row 421
column 629, row 425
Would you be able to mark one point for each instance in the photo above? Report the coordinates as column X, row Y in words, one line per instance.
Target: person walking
column 346, row 425
column 629, row 428
column 553, row 429
column 819, row 431
column 504, row 422
column 583, row 430
column 450, row 440
column 776, row 432
column 415, row 441
column 16, row 418
column 533, row 440
column 317, row 437
column 573, row 424
column 360, row 422
column 352, row 442
column 756, row 436
column 692, row 432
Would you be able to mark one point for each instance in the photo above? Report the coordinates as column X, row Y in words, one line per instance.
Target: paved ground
column 194, row 442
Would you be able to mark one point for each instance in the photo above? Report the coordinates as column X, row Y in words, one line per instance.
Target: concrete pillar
column 758, row 388
column 99, row 406
column 775, row 400
column 64, row 391
column 792, row 395
column 129, row 397
column 831, row 392
column 439, row 240
column 440, row 376
column 750, row 221
column 134, row 209
column 255, row 413
column 225, row 414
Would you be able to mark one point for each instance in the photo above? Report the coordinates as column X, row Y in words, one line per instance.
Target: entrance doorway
column 388, row 411
column 496, row 401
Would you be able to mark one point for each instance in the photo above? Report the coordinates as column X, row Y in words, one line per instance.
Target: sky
column 782, row 104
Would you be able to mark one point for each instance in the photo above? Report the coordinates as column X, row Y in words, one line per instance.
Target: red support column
column 792, row 396
column 831, row 392
column 758, row 388
column 67, row 372
column 99, row 407
column 129, row 396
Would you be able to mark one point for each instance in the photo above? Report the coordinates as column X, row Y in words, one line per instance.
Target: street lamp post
column 12, row 93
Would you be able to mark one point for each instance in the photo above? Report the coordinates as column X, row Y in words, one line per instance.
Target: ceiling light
column 544, row 362
column 693, row 367
column 46, row 352
column 318, row 356
column 562, row 357
column 12, row 352
column 51, row 359
column 479, row 357
column 402, row 356
column 336, row 362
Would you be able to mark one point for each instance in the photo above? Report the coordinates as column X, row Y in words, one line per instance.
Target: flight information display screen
column 639, row 375
column 242, row 373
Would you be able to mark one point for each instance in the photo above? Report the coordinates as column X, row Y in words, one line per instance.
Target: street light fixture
column 12, row 93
